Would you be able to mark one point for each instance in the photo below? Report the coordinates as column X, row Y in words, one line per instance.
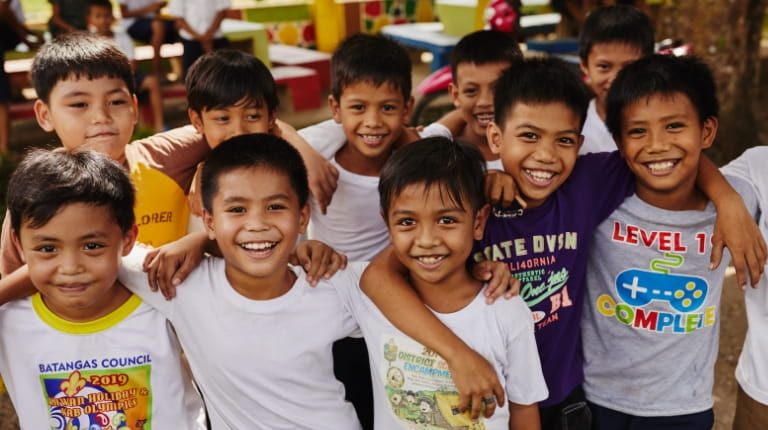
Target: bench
column 320, row 62
column 304, row 84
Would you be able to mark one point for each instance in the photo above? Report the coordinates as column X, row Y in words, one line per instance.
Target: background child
column 611, row 38
column 751, row 373
column 67, row 16
column 99, row 352
column 198, row 22
column 432, row 198
column 140, row 20
column 86, row 95
column 100, row 20
column 651, row 336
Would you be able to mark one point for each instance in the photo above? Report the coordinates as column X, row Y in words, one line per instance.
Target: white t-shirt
column 134, row 5
column 199, row 14
column 122, row 368
column 413, row 387
column 125, row 43
column 752, row 370
column 352, row 223
column 597, row 138
column 260, row 364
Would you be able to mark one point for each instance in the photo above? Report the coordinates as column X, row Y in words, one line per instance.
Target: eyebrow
column 441, row 211
column 238, row 199
column 77, row 93
column 93, row 235
column 539, row 129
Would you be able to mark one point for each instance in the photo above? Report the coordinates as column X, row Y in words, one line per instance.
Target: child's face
column 538, row 147
column 661, row 140
column 96, row 114
column 220, row 124
column 372, row 117
column 100, row 19
column 74, row 260
column 255, row 227
column 472, row 93
column 431, row 235
column 604, row 62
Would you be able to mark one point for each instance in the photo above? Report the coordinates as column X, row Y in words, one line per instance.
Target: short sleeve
column 603, row 180
column 325, row 137
column 436, row 130
column 133, row 277
column 524, row 383
column 347, row 285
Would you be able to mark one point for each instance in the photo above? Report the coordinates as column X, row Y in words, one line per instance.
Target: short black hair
column 539, row 81
column 250, row 151
column 100, row 3
column 370, row 58
column 224, row 77
column 663, row 75
column 48, row 180
column 456, row 167
column 79, row 54
column 483, row 47
column 616, row 24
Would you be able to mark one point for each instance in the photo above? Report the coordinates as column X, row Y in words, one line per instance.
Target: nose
column 485, row 98
column 256, row 221
column 372, row 118
column 658, row 141
column 100, row 113
column 545, row 152
column 237, row 127
column 69, row 263
column 427, row 237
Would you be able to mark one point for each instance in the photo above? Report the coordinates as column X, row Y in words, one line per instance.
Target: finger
column 514, row 288
column 489, row 408
column 463, row 402
column 521, row 201
column 152, row 275
column 317, row 266
column 755, row 268
column 497, row 193
column 508, row 195
column 338, row 261
column 716, row 255
column 476, row 405
column 741, row 270
column 149, row 259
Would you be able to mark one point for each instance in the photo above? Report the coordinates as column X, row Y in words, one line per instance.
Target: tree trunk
column 726, row 35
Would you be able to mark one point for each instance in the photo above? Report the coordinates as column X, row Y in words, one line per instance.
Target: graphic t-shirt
column 413, row 388
column 546, row 249
column 651, row 320
column 120, row 371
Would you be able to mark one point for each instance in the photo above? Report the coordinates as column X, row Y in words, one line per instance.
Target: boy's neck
column 261, row 288
column 685, row 198
column 480, row 142
column 450, row 295
column 355, row 162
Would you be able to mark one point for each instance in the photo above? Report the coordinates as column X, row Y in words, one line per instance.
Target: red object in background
column 501, row 16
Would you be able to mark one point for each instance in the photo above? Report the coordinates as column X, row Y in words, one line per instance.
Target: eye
column 91, row 246
column 46, row 248
column 446, row 220
column 118, row 102
column 406, row 222
column 603, row 67
column 675, row 125
column 636, row 132
column 221, row 118
column 235, row 209
column 469, row 91
column 529, row 136
column 78, row 105
column 356, row 107
column 254, row 117
column 566, row 141
column 276, row 207
column 389, row 108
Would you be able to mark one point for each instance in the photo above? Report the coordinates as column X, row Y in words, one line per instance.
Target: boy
column 199, row 22
column 539, row 110
column 432, row 200
column 100, row 357
column 100, row 20
column 751, row 373
column 140, row 20
column 611, row 38
column 651, row 335
column 85, row 94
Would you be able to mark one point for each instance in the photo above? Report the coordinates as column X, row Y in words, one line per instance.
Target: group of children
column 615, row 325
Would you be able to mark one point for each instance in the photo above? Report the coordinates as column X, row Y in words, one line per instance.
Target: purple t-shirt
column 546, row 248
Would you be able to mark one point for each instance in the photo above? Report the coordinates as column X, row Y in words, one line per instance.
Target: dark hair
column 224, row 77
column 483, row 47
column 456, row 167
column 250, row 151
column 539, row 81
column 663, row 75
column 100, row 3
column 79, row 54
column 374, row 59
column 48, row 180
column 619, row 24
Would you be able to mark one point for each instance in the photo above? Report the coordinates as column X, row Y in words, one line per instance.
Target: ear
column 304, row 215
column 196, row 120
column 708, row 132
column 135, row 104
column 272, row 121
column 584, row 70
column 478, row 228
column 43, row 115
column 579, row 142
column 130, row 239
column 453, row 90
column 208, row 223
column 335, row 109
column 407, row 111
column 17, row 244
column 495, row 137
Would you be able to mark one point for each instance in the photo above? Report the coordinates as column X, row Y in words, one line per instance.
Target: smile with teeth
column 539, row 175
column 484, row 118
column 430, row 259
column 660, row 166
column 372, row 139
column 258, row 246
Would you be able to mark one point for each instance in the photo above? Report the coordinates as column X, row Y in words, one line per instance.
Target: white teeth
column 660, row 166
column 484, row 117
column 258, row 246
column 540, row 175
column 372, row 138
column 430, row 259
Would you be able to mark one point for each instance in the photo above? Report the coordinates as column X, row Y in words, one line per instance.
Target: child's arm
column 16, row 285
column 474, row 377
column 524, row 417
column 58, row 21
column 207, row 37
column 735, row 226
column 152, row 7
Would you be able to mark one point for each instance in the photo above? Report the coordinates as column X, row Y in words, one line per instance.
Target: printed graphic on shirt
column 533, row 260
column 96, row 394
column 420, row 388
column 656, row 299
column 162, row 213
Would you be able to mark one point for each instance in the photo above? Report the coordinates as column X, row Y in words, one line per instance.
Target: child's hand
column 318, row 260
column 500, row 281
column 736, row 230
column 322, row 178
column 476, row 380
column 501, row 189
column 168, row 265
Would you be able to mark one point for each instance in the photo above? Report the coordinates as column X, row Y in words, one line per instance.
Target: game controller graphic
column 639, row 287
